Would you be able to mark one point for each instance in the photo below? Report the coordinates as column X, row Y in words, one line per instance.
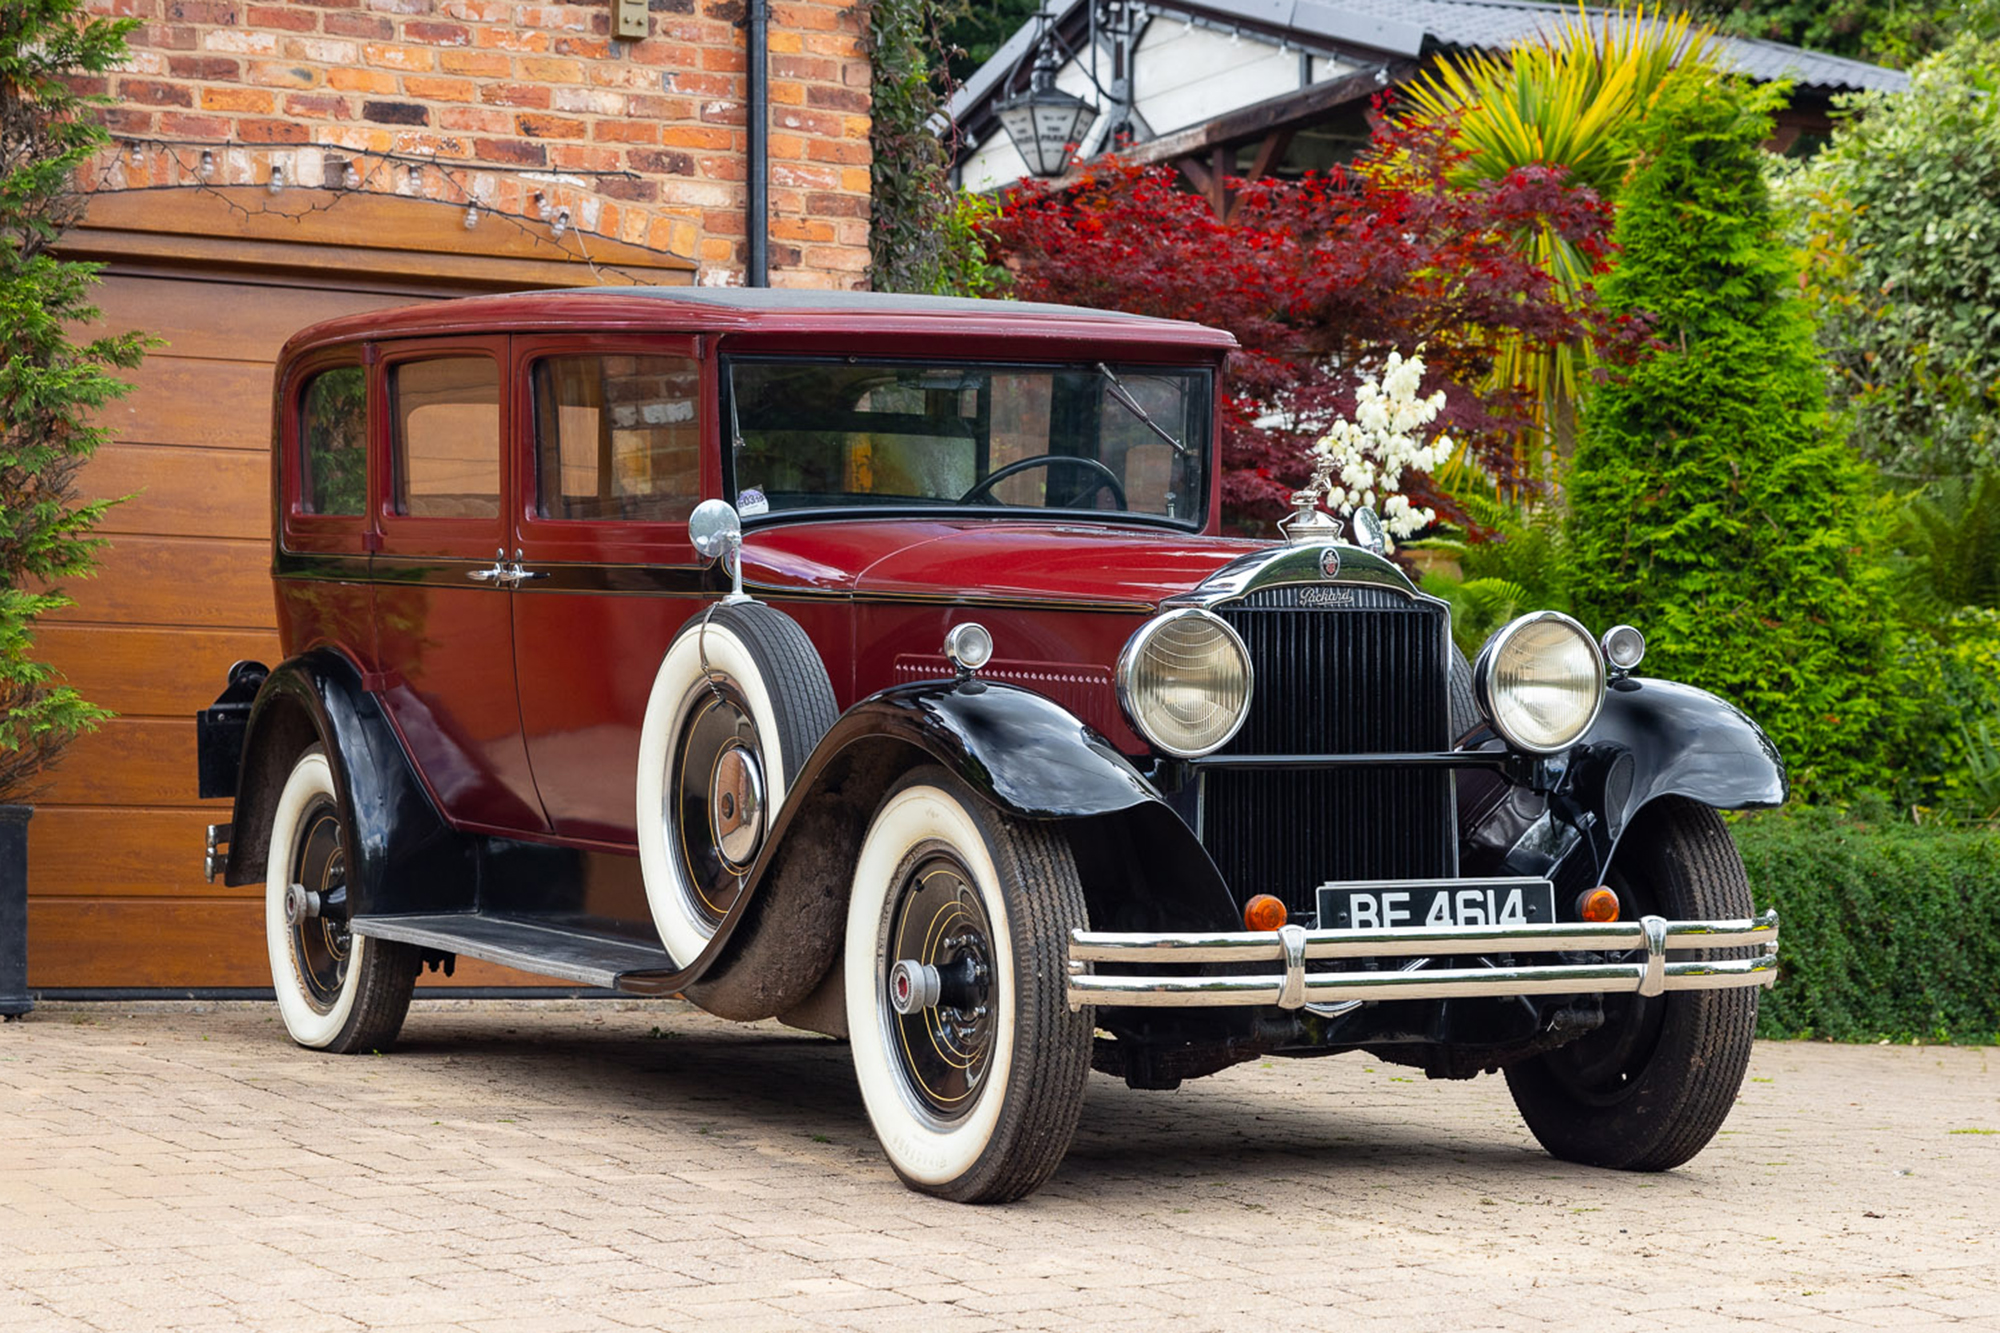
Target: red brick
column 319, row 106
column 812, row 69
column 434, row 89
column 510, row 151
column 361, row 80
column 277, row 74
column 438, row 34
column 483, row 64
column 162, row 37
column 150, row 92
column 181, row 125
column 584, row 157
column 128, row 120
column 360, row 25
column 837, row 99
column 391, row 56
column 849, row 152
column 288, row 17
column 625, row 131
column 662, row 163
column 542, row 126
column 213, row 69
column 583, row 47
column 635, row 191
column 478, row 119
column 216, row 13
column 544, row 70
column 515, row 94
column 837, row 205
column 386, row 112
column 252, row 101
column 272, row 131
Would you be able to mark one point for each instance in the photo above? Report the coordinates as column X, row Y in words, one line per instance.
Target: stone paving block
column 542, row 1164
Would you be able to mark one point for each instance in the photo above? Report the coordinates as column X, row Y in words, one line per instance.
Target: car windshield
column 1104, row 439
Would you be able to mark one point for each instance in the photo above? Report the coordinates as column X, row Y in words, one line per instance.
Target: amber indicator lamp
column 1264, row 912
column 1599, row 904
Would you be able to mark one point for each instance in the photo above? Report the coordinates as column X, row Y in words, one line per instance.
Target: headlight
column 1540, row 681
column 1184, row 680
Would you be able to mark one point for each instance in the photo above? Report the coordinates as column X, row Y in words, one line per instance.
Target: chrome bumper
column 1294, row 946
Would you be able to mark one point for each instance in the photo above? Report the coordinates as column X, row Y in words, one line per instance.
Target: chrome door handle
column 518, row 573
column 497, row 573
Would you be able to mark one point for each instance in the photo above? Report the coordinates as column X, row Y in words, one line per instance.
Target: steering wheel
column 1108, row 480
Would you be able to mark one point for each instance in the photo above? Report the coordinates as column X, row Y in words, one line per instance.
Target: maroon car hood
column 984, row 558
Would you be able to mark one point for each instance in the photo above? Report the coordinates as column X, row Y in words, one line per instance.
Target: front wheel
column 970, row 1061
column 1650, row 1088
column 337, row 991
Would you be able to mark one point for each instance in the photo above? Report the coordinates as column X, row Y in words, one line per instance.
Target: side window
column 333, row 439
column 447, row 437
column 618, row 437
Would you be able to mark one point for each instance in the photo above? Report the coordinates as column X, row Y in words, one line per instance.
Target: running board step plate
column 595, row 960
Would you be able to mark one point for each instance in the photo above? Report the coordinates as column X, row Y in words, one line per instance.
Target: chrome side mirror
column 717, row 534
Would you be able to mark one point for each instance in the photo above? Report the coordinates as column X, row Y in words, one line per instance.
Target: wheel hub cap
column 736, row 805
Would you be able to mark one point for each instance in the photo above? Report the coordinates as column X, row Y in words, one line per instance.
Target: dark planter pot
column 14, row 999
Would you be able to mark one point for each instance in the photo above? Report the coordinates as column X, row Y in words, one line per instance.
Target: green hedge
column 1888, row 931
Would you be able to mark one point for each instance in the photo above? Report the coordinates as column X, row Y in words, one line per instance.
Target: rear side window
column 447, row 437
column 618, row 437
column 333, row 435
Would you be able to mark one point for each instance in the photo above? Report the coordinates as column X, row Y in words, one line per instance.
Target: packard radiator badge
column 1329, row 562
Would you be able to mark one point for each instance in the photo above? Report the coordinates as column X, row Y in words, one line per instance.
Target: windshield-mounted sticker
column 751, row 503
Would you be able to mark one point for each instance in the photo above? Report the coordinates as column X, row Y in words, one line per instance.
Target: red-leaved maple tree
column 1319, row 279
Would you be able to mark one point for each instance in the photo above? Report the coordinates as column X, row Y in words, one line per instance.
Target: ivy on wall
column 924, row 236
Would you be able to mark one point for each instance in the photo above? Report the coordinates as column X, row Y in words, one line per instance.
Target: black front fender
column 1652, row 739
column 1657, row 738
column 397, row 842
column 1016, row 749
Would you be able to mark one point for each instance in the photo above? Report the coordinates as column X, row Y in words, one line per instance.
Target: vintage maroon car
column 874, row 663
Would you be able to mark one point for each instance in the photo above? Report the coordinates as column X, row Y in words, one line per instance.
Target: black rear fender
column 403, row 857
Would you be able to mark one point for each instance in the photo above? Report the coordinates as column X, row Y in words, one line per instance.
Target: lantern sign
column 1046, row 123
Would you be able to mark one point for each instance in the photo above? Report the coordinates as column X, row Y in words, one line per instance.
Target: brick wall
column 532, row 111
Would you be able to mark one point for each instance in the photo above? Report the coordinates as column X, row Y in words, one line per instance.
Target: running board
column 596, row 960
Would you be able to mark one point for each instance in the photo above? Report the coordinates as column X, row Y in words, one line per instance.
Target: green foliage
column 923, row 235
column 1712, row 503
column 1524, row 564
column 1948, row 764
column 1950, row 534
column 1886, row 32
column 979, row 30
column 1902, row 218
column 1478, row 606
column 48, row 384
column 1572, row 102
column 1889, row 932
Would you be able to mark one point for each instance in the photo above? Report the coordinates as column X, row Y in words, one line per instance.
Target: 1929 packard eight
column 873, row 663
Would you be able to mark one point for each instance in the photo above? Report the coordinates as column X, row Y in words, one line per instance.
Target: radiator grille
column 1368, row 675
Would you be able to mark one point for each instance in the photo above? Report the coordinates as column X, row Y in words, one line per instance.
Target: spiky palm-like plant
column 1571, row 102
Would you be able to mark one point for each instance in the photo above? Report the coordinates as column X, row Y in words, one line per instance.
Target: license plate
column 1447, row 904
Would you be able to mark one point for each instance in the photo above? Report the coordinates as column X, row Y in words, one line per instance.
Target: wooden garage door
column 117, row 896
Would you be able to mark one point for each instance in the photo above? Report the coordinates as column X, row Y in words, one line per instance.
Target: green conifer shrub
column 1713, row 504
column 49, row 383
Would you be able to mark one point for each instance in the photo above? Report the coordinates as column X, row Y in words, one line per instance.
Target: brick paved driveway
column 549, row 1166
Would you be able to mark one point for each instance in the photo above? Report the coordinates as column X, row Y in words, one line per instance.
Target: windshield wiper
column 1131, row 404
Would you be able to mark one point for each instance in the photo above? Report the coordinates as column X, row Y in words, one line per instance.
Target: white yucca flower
column 1370, row 454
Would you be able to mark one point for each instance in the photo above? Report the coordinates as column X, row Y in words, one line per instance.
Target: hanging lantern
column 1046, row 123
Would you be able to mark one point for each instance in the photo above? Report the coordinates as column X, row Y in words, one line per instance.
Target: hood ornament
column 1307, row 522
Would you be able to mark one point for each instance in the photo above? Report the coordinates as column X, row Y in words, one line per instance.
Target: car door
column 611, row 455
column 443, row 613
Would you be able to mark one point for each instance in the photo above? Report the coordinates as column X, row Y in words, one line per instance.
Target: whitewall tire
column 739, row 701
column 975, row 1093
column 336, row 991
